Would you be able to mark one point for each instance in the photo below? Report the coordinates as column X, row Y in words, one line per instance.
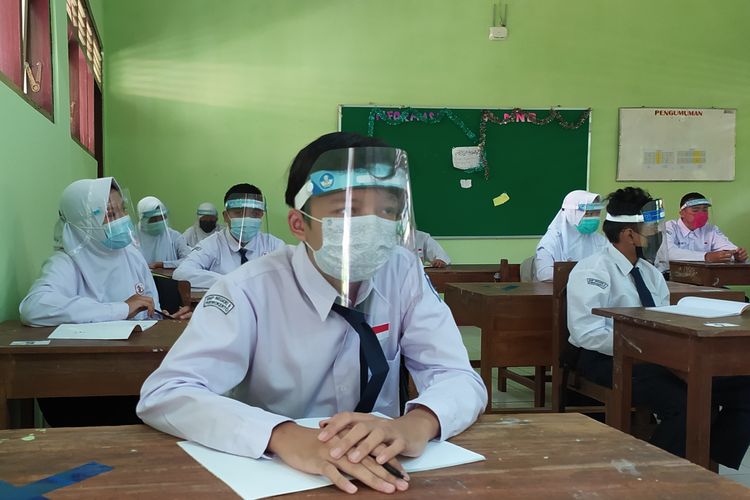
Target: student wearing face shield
column 95, row 274
column 572, row 235
column 692, row 237
column 241, row 241
column 622, row 275
column 161, row 246
column 321, row 329
column 204, row 226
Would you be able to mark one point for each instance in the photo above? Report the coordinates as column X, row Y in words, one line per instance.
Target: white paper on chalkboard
column 668, row 144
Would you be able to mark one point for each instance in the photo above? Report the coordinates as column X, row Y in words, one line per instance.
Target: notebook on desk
column 701, row 307
column 106, row 330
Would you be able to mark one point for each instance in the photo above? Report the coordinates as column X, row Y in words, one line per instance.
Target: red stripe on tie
column 381, row 328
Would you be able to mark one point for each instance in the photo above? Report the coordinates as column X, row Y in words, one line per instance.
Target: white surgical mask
column 370, row 244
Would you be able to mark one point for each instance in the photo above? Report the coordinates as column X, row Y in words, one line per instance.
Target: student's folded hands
column 299, row 447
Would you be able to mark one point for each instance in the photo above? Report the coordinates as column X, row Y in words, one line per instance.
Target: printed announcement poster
column 676, row 144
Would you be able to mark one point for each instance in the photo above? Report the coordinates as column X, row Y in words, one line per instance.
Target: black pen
column 393, row 471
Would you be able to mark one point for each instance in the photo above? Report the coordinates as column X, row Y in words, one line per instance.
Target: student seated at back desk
column 571, row 236
column 204, row 226
column 295, row 334
column 240, row 242
column 161, row 246
column 94, row 275
column 430, row 251
column 622, row 275
column 691, row 237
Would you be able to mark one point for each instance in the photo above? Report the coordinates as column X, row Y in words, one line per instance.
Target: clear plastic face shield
column 360, row 218
column 651, row 231
column 694, row 213
column 96, row 213
column 153, row 217
column 244, row 216
column 589, row 216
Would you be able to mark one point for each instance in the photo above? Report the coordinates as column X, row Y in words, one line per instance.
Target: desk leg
column 698, row 445
column 618, row 407
column 4, row 410
column 485, row 364
column 540, row 385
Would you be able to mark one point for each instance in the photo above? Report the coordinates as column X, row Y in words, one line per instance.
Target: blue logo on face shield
column 326, row 181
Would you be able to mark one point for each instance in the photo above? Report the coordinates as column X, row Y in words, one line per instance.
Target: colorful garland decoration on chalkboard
column 406, row 115
column 518, row 115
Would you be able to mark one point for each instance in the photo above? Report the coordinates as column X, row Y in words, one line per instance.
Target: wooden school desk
column 462, row 273
column 69, row 368
column 684, row 344
column 710, row 273
column 528, row 456
column 516, row 323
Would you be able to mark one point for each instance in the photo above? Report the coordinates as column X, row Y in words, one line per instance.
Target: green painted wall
column 201, row 95
column 38, row 159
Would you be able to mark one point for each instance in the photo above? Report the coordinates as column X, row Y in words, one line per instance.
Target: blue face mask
column 118, row 233
column 244, row 228
column 154, row 228
column 588, row 225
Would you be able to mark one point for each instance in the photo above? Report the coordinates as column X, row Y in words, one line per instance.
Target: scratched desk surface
column 527, row 456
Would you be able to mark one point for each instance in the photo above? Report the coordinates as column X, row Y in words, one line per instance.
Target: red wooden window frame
column 10, row 42
column 34, row 43
column 82, row 124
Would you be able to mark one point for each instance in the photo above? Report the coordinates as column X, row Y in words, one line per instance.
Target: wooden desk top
column 711, row 265
column 545, row 288
column 463, row 268
column 528, row 456
column 159, row 337
column 677, row 323
column 503, row 288
column 167, row 273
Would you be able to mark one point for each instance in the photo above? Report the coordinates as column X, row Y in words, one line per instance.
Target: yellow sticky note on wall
column 499, row 200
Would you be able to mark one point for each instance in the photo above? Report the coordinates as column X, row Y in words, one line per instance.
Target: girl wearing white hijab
column 95, row 273
column 571, row 235
column 205, row 224
column 161, row 245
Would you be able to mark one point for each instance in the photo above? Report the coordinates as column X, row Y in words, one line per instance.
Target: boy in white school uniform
column 320, row 329
column 430, row 250
column 692, row 237
column 622, row 275
column 241, row 241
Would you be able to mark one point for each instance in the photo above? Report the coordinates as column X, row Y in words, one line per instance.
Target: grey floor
column 518, row 396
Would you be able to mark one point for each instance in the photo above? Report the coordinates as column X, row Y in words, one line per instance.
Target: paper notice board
column 671, row 144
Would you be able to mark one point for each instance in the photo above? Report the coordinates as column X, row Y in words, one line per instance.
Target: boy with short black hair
column 621, row 275
column 321, row 329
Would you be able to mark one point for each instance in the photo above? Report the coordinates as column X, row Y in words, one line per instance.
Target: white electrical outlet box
column 498, row 32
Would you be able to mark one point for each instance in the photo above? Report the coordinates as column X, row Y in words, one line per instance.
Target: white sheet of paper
column 30, row 342
column 106, row 330
column 259, row 478
column 466, row 157
column 701, row 307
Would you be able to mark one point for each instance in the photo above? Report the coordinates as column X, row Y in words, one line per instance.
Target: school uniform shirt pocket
column 388, row 400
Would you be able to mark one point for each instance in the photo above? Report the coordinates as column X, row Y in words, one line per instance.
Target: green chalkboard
column 536, row 165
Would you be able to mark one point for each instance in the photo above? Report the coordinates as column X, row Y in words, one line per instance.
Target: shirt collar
column 318, row 290
column 683, row 228
column 232, row 243
column 622, row 262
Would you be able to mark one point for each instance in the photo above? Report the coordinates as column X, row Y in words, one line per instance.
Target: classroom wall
column 199, row 97
column 38, row 158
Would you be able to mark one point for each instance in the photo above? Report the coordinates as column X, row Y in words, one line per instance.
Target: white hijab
column 562, row 239
column 160, row 247
column 108, row 275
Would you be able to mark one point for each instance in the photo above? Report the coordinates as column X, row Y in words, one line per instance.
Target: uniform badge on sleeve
column 140, row 289
column 601, row 284
column 220, row 302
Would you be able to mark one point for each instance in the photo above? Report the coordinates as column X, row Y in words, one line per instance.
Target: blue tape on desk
column 509, row 287
column 36, row 489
